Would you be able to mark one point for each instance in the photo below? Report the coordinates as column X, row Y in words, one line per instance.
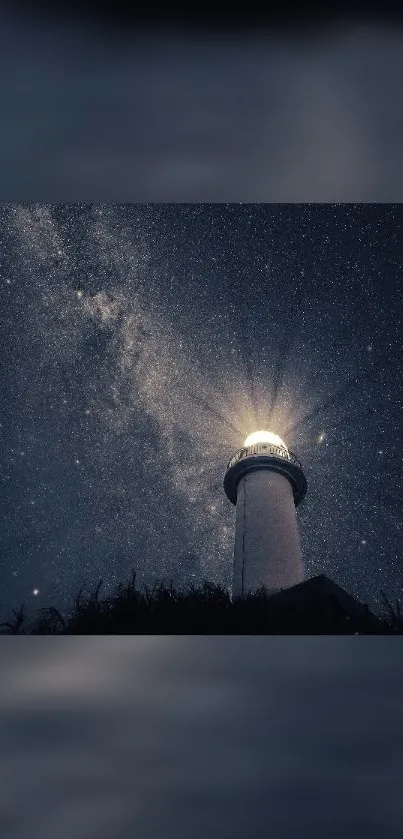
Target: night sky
column 140, row 344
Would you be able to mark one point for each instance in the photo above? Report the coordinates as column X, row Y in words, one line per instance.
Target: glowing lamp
column 264, row 437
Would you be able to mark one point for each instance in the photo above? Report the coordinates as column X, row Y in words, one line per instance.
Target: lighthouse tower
column 266, row 483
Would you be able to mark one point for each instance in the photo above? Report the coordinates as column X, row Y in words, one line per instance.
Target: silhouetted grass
column 207, row 609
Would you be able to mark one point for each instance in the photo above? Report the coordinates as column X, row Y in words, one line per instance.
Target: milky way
column 142, row 343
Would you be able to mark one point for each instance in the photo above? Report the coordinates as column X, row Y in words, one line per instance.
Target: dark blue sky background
column 140, row 345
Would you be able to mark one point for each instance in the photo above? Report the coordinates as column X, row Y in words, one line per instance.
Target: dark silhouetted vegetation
column 207, row 609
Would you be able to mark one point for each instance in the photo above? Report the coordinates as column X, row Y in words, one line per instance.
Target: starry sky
column 141, row 343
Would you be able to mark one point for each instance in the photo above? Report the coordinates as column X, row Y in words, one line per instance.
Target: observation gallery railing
column 264, row 449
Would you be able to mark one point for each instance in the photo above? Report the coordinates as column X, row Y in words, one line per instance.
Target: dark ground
column 209, row 610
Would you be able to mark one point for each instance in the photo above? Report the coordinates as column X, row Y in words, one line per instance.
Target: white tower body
column 266, row 482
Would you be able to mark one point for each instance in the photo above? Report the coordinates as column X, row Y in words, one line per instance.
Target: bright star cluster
column 141, row 346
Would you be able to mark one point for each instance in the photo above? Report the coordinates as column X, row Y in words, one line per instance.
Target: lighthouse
column 266, row 483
